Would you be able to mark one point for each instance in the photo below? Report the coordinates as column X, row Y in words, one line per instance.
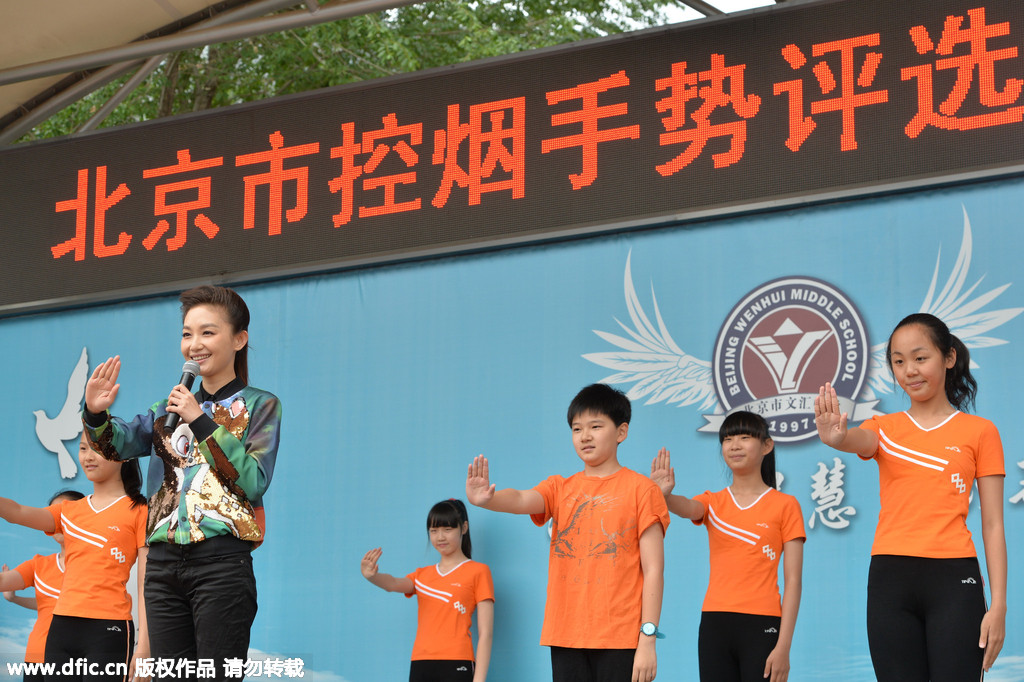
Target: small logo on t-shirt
column 114, row 528
column 953, row 448
column 764, row 525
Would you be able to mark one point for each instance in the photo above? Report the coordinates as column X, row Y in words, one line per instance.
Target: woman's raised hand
column 102, row 387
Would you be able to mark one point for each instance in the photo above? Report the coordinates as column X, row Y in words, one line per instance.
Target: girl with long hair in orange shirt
column 926, row 598
column 92, row 633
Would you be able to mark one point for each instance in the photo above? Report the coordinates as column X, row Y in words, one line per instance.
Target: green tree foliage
column 398, row 41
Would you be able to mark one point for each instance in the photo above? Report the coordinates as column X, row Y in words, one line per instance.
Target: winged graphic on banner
column 660, row 371
column 956, row 308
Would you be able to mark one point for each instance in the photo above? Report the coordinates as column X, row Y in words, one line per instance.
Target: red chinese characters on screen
column 973, row 56
column 850, row 90
column 101, row 204
column 274, row 179
column 379, row 144
column 683, row 87
column 495, row 135
column 197, row 187
column 588, row 116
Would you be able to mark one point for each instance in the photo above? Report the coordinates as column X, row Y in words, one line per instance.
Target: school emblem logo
column 781, row 342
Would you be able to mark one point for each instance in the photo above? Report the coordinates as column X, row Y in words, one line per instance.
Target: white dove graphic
column 662, row 372
column 67, row 425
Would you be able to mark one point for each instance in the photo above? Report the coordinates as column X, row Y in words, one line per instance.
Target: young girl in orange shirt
column 104, row 533
column 46, row 575
column 447, row 593
column 746, row 628
column 926, row 599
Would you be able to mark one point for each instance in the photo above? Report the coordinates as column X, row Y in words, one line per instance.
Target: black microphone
column 189, row 371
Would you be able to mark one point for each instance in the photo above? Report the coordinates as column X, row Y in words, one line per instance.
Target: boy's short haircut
column 601, row 399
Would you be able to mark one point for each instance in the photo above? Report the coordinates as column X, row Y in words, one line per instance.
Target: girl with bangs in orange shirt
column 447, row 594
column 746, row 626
column 92, row 634
column 926, row 617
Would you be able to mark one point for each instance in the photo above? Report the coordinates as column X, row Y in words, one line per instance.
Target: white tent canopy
column 54, row 52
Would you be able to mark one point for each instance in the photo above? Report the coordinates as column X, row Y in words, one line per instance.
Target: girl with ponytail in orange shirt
column 447, row 594
column 926, row 598
column 746, row 626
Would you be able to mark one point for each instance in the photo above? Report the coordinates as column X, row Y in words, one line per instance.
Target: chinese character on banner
column 588, row 116
column 180, row 210
column 682, row 87
column 488, row 146
column 275, row 179
column 80, row 205
column 976, row 57
column 852, row 87
column 827, row 491
column 372, row 144
column 1019, row 497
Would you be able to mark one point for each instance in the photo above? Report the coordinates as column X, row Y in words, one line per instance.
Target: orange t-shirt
column 445, row 604
column 745, row 547
column 100, row 546
column 925, row 479
column 595, row 580
column 45, row 574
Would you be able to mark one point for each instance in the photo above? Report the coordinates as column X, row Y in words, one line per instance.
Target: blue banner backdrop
column 392, row 379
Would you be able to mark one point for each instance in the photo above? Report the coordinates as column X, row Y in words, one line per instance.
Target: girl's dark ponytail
column 131, row 478
column 961, row 387
column 768, row 470
column 467, row 543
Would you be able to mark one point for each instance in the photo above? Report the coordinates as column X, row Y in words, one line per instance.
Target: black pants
column 734, row 647
column 90, row 649
column 200, row 602
column 441, row 671
column 924, row 619
column 591, row 665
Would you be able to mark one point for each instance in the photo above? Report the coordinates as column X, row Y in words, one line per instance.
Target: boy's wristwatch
column 651, row 630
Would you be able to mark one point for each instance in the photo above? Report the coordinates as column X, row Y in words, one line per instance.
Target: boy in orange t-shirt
column 606, row 561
